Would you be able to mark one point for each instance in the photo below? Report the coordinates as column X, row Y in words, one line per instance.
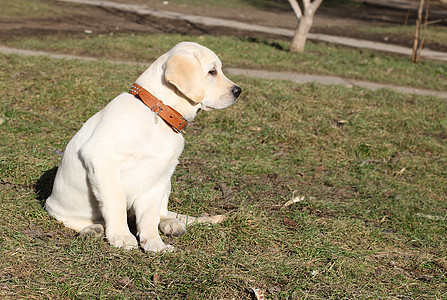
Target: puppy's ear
column 183, row 70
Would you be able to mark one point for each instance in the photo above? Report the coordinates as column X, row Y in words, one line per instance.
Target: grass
column 28, row 8
column 433, row 33
column 373, row 174
column 268, row 54
column 319, row 58
column 371, row 166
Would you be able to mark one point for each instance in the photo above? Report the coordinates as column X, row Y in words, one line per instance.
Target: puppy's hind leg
column 173, row 224
column 95, row 231
column 169, row 225
column 188, row 220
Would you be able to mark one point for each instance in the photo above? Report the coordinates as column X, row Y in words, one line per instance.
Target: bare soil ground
column 334, row 20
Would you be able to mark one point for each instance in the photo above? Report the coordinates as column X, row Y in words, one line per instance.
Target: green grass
column 319, row 58
column 367, row 228
column 372, row 167
column 433, row 33
column 28, row 9
column 268, row 54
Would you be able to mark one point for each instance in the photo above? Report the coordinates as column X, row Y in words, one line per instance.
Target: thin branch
column 311, row 7
column 421, row 44
column 296, row 9
column 316, row 4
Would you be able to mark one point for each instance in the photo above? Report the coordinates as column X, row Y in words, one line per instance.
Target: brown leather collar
column 172, row 117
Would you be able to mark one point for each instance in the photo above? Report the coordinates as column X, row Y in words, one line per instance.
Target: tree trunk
column 305, row 20
column 300, row 35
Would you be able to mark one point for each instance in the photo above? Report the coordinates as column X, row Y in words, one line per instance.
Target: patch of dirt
column 333, row 20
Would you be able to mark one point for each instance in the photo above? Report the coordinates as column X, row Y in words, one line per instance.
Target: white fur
column 122, row 159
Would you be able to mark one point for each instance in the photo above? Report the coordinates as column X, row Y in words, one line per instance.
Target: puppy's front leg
column 104, row 179
column 147, row 213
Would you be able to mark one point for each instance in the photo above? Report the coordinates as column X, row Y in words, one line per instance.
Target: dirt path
column 296, row 77
column 213, row 21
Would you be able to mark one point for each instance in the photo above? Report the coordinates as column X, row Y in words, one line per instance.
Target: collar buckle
column 181, row 127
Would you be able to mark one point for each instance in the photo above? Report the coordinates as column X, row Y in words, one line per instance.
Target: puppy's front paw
column 172, row 227
column 152, row 246
column 126, row 241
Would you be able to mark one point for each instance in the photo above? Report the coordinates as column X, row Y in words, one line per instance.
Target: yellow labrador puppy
column 122, row 159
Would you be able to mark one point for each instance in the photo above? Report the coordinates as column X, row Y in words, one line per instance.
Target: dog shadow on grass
column 44, row 185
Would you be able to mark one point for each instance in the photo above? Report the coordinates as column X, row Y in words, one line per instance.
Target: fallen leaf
column 426, row 278
column 126, row 282
column 226, row 191
column 442, row 263
column 430, row 217
column 38, row 233
column 156, row 279
column 5, row 181
column 290, row 223
column 341, row 123
column 378, row 272
column 294, row 200
column 398, row 174
column 273, row 289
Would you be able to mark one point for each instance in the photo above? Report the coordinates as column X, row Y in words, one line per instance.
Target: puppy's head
column 196, row 72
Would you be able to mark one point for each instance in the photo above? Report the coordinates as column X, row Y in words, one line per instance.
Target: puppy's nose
column 236, row 91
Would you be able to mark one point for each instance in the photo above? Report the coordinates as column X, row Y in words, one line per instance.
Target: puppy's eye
column 213, row 72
